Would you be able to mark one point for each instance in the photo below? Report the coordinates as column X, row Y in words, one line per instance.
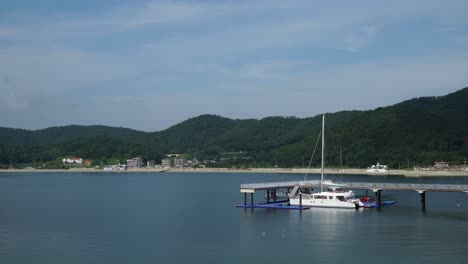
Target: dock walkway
column 252, row 187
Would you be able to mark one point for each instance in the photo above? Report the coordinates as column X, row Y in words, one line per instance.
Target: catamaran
column 330, row 195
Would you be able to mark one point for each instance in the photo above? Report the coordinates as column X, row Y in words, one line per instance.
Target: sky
column 148, row 65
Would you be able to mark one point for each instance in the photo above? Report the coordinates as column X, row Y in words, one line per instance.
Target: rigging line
column 311, row 158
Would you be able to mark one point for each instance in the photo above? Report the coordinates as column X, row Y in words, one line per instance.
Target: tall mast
column 341, row 161
column 323, row 151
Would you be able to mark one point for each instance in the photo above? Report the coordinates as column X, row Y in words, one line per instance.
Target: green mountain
column 55, row 135
column 415, row 132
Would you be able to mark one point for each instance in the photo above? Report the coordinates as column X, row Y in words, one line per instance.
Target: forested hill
column 418, row 131
column 55, row 135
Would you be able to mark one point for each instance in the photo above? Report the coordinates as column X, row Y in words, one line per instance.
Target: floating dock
column 278, row 205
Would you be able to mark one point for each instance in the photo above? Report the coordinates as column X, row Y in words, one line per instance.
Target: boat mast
column 341, row 162
column 323, row 151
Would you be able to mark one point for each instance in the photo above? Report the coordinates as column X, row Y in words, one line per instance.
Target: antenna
column 341, row 161
column 276, row 159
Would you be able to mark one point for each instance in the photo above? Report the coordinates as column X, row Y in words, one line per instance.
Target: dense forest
column 415, row 132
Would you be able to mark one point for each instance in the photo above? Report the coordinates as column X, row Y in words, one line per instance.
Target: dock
column 274, row 205
column 272, row 188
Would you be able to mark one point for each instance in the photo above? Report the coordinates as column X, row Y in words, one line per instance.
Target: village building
column 441, row 165
column 135, row 162
column 181, row 163
column 73, row 161
column 150, row 164
column 166, row 163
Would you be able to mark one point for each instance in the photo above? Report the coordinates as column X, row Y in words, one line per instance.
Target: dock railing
column 362, row 185
column 409, row 186
column 268, row 185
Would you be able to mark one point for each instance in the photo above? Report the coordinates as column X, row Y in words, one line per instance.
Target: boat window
column 341, row 198
column 330, row 197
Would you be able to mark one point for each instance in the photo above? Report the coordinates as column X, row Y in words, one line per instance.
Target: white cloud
column 359, row 39
column 462, row 39
column 7, row 32
column 150, row 14
column 272, row 69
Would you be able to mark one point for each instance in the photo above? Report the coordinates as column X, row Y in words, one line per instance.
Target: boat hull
column 324, row 203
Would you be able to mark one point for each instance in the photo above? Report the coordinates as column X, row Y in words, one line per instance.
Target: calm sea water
column 191, row 218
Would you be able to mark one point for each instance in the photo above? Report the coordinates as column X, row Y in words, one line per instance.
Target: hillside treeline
column 415, row 132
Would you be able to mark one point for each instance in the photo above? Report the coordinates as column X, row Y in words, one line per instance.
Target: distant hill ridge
column 420, row 131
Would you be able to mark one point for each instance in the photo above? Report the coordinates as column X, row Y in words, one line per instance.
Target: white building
column 135, row 162
column 150, row 164
column 180, row 163
column 75, row 161
column 166, row 163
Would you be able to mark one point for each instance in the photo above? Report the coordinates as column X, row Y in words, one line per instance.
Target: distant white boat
column 335, row 196
column 377, row 168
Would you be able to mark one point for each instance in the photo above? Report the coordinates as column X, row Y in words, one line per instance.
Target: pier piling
column 300, row 199
column 423, row 200
column 378, row 196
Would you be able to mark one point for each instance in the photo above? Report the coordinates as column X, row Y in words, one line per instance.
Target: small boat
column 378, row 168
column 367, row 202
column 336, row 196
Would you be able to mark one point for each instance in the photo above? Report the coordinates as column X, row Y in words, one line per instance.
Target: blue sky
column 148, row 65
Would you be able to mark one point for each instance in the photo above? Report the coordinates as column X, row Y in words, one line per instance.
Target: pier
column 272, row 188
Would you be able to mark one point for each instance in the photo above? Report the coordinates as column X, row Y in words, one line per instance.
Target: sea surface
column 191, row 218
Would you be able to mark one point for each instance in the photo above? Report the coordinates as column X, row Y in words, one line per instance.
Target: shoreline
column 405, row 173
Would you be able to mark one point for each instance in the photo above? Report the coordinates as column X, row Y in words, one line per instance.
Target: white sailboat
column 330, row 195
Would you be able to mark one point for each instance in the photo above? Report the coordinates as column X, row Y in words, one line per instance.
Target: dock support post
column 245, row 198
column 378, row 194
column 251, row 199
column 300, row 199
column 423, row 200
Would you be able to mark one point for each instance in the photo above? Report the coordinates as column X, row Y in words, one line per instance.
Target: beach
column 331, row 171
